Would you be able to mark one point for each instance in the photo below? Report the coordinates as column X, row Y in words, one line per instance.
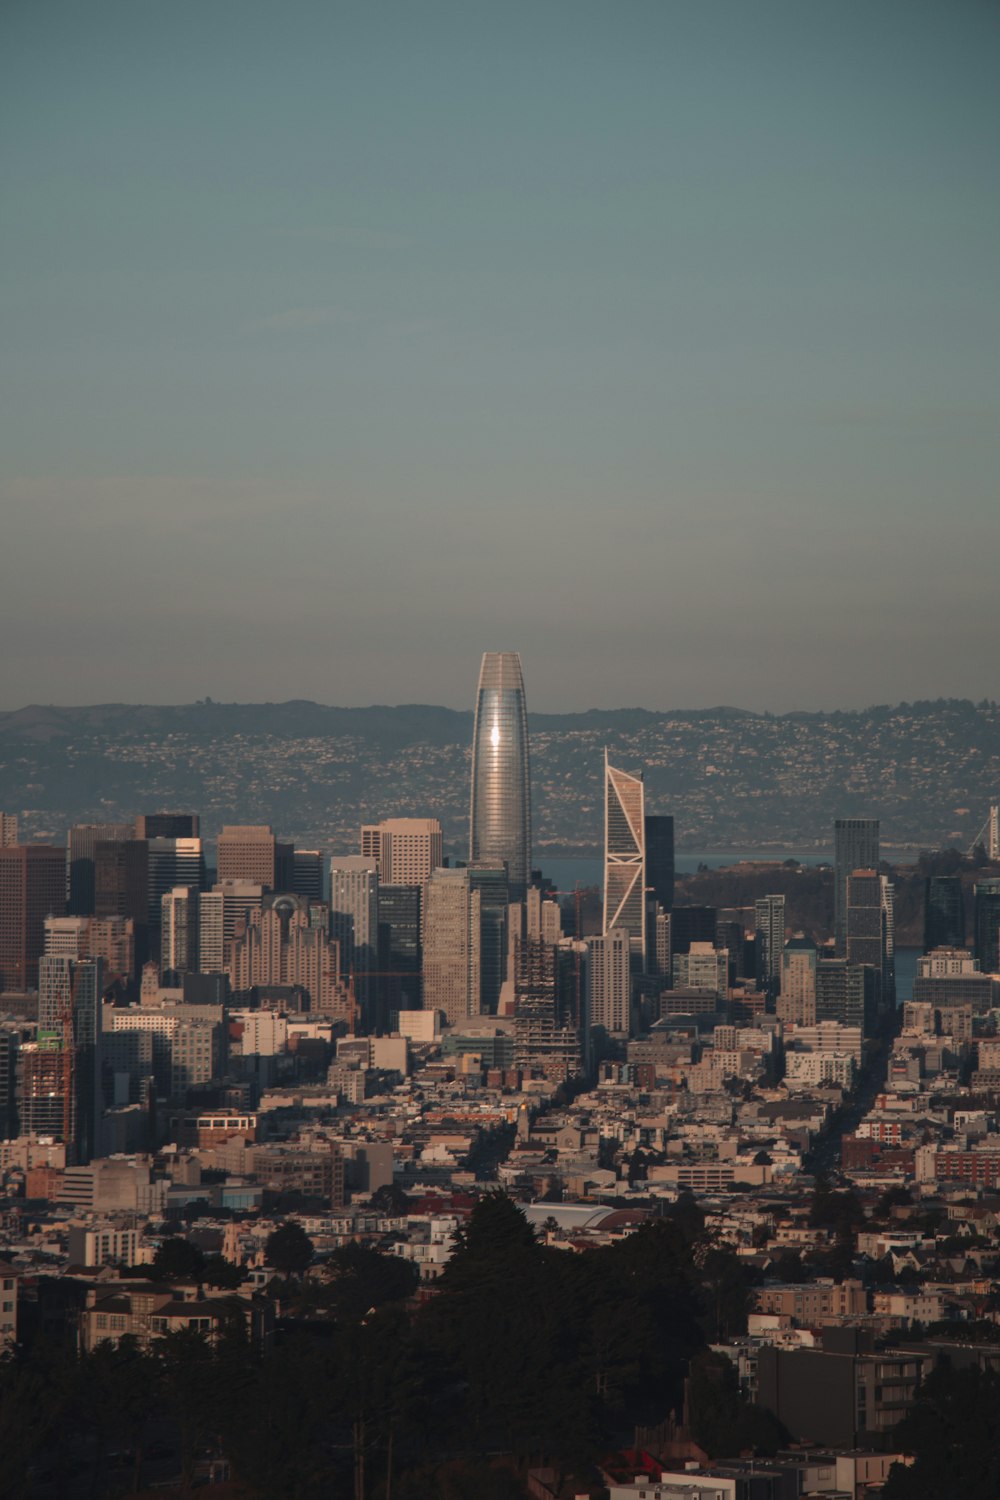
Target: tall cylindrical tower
column 500, row 818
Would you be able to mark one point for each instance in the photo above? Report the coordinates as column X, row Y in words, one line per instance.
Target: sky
column 344, row 340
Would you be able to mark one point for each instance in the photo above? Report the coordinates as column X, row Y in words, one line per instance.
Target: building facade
column 500, row 814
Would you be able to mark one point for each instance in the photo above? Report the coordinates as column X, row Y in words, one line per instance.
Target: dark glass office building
column 944, row 912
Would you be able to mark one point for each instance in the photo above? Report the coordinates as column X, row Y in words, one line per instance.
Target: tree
column 222, row 1273
column 289, row 1249
column 953, row 1432
column 176, row 1259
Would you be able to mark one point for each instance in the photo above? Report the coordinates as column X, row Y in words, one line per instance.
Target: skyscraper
column 32, row 887
column 405, row 849
column 608, row 981
column 500, row 816
column 986, row 920
column 624, row 855
column 855, row 847
column 82, row 846
column 944, row 912
column 354, row 920
column 866, row 920
column 769, row 924
column 660, row 858
column 250, row 851
column 451, row 943
column 180, row 911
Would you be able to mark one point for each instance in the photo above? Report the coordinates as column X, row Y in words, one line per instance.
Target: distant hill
column 732, row 779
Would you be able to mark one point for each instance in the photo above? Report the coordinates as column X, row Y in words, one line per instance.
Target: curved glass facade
column 500, row 820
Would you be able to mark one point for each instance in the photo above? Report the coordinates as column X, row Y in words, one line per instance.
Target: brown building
column 82, row 845
column 8, row 829
column 250, row 851
column 314, row 1174
column 32, row 887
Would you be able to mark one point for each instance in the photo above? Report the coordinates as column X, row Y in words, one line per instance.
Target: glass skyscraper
column 500, row 819
column 625, row 855
column 855, row 847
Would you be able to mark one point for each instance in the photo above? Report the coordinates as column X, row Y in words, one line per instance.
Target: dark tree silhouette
column 289, row 1249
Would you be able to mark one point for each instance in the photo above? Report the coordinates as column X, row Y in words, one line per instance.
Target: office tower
column 625, row 856
column 307, row 874
column 608, row 981
column 32, row 887
column 730, row 934
column 110, row 939
column 692, row 924
column 354, row 921
column 401, row 985
column 67, row 937
column 849, row 993
column 855, row 847
column 81, row 850
column 220, row 910
column 986, row 922
column 8, row 829
column 69, row 1020
column 663, row 944
column 769, row 928
column 173, row 862
column 9, row 1038
column 888, row 943
column 286, row 943
column 865, row 919
column 500, row 817
column 406, row 850
column 660, row 858
column 797, row 998
column 494, row 900
column 452, row 927
column 121, row 886
column 179, row 932
column 166, row 825
column 944, row 912
column 250, row 852
column 702, row 967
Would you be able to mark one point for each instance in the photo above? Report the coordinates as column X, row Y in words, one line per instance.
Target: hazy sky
column 656, row 339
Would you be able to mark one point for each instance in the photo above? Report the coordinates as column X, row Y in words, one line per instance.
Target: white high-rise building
column 625, row 855
column 609, row 981
column 406, row 850
column 180, row 911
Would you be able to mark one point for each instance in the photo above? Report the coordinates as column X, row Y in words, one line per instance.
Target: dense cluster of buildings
column 363, row 1040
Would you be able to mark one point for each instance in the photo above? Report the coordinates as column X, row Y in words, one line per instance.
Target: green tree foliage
column 953, row 1431
column 289, row 1249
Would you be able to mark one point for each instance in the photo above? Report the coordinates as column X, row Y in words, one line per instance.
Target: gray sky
column 656, row 339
